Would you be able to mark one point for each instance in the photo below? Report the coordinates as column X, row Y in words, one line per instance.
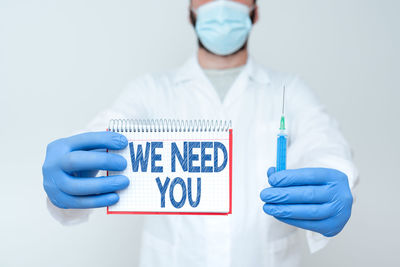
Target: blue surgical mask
column 223, row 26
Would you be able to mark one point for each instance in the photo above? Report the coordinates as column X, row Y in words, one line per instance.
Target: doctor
column 272, row 211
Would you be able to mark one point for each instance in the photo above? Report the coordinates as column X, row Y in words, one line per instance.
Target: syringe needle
column 282, row 124
column 283, row 100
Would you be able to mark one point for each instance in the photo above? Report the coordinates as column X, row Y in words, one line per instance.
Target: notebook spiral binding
column 168, row 125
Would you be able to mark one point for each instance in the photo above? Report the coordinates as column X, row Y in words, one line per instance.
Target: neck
column 208, row 60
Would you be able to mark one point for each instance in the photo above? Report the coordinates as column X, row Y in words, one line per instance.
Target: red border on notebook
column 191, row 213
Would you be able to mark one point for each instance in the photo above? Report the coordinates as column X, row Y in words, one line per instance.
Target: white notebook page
column 176, row 173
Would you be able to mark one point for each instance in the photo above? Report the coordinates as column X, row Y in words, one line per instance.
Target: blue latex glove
column 71, row 164
column 315, row 199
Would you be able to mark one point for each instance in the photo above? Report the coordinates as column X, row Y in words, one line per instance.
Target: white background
column 63, row 61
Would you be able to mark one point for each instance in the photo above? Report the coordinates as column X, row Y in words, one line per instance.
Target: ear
column 255, row 14
column 191, row 17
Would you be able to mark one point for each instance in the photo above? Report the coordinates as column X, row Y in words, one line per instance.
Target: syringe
column 282, row 140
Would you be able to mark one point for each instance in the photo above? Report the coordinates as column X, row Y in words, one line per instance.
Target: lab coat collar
column 191, row 70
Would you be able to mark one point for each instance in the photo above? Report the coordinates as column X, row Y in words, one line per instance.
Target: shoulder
column 151, row 82
column 146, row 93
column 298, row 93
column 274, row 77
column 294, row 83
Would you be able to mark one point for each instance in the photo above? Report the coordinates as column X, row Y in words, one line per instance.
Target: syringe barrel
column 281, row 152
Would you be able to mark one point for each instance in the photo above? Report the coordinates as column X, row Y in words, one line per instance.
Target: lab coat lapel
column 251, row 76
column 194, row 78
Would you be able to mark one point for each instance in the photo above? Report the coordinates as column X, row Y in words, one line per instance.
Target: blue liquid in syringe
column 281, row 152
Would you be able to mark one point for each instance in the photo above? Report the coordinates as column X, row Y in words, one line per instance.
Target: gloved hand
column 315, row 199
column 69, row 162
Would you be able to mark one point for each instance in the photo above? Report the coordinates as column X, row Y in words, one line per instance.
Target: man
column 221, row 82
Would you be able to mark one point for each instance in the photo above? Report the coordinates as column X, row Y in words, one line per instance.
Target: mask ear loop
column 251, row 9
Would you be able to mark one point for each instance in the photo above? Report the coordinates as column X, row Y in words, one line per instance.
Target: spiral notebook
column 175, row 167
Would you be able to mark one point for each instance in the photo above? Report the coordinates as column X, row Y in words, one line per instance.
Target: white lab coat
column 248, row 237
